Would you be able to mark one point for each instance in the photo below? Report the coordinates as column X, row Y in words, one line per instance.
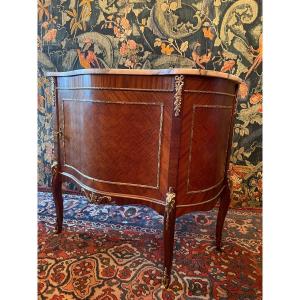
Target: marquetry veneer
column 161, row 138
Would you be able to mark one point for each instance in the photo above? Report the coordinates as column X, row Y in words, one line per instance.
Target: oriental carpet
column 113, row 252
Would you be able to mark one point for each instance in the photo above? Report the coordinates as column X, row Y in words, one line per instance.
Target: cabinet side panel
column 208, row 146
column 205, row 135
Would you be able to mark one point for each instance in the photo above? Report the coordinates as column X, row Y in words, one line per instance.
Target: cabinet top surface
column 182, row 71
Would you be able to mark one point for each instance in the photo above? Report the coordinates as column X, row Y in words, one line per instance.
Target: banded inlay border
column 120, row 102
column 82, row 185
column 210, row 92
column 190, row 147
column 207, row 189
column 113, row 89
column 203, row 202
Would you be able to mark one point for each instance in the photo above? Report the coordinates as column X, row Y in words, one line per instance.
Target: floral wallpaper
column 222, row 35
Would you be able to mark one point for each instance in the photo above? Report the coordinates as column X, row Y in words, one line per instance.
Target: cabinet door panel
column 114, row 142
column 116, row 138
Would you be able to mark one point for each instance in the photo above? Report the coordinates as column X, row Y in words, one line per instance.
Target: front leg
column 169, row 227
column 57, row 196
column 224, row 205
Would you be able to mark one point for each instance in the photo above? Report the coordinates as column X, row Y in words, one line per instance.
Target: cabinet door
column 206, row 132
column 115, row 133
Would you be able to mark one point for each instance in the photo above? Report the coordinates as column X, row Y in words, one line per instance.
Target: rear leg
column 223, row 209
column 57, row 196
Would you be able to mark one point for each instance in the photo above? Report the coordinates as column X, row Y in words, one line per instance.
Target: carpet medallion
column 112, row 252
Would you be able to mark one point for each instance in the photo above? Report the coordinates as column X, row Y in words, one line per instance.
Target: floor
column 115, row 252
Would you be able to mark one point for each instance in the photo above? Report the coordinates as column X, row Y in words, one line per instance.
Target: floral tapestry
column 221, row 35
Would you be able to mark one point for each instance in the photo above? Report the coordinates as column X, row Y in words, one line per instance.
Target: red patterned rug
column 112, row 252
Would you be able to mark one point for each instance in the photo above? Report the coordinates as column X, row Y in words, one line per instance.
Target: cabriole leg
column 224, row 205
column 169, row 227
column 57, row 196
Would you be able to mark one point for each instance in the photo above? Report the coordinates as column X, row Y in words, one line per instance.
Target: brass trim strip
column 112, row 89
column 213, row 106
column 190, row 149
column 190, row 144
column 63, row 128
column 159, row 144
column 127, row 196
column 210, row 92
column 207, row 189
column 112, row 102
column 230, row 134
column 159, row 141
column 203, row 202
column 110, row 182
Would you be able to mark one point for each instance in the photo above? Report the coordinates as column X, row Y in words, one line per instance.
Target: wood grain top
column 178, row 71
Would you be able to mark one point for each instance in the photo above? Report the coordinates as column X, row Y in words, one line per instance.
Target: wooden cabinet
column 161, row 138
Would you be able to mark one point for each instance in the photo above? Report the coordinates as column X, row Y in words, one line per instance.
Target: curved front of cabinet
column 134, row 137
column 207, row 112
column 116, row 137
